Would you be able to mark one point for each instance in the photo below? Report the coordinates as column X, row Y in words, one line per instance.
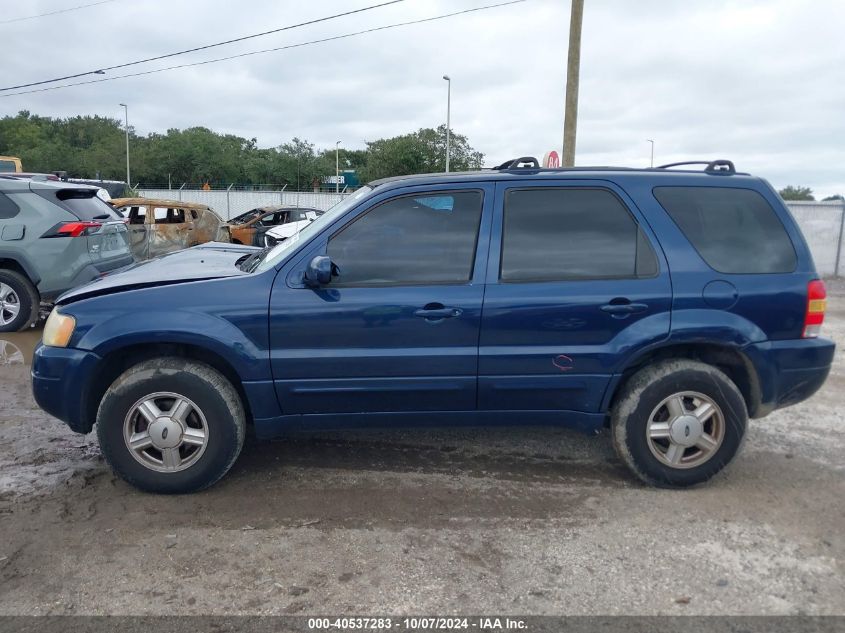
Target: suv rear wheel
column 171, row 425
column 19, row 302
column 679, row 422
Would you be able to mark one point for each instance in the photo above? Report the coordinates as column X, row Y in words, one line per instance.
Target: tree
column 85, row 146
column 834, row 197
column 423, row 151
column 796, row 193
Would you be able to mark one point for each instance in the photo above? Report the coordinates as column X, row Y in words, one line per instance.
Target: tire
column 208, row 427
column 653, row 425
column 17, row 293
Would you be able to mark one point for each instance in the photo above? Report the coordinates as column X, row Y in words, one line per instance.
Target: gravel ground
column 518, row 521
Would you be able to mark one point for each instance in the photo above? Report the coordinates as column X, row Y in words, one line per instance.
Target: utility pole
column 448, row 116
column 573, row 68
column 337, row 167
column 650, row 140
column 126, row 114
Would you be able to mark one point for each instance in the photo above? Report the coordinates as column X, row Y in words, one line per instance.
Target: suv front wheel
column 171, row 425
column 678, row 422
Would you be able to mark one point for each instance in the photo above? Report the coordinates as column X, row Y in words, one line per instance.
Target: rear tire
column 677, row 423
column 19, row 302
column 171, row 426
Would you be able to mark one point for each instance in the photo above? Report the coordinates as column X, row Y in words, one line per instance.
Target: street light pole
column 448, row 116
column 126, row 115
column 573, row 69
column 337, row 167
column 652, row 150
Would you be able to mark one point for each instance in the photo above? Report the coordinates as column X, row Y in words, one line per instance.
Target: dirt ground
column 518, row 521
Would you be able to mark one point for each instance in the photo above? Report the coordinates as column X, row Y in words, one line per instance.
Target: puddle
column 16, row 347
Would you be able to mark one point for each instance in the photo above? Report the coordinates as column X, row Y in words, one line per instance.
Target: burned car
column 249, row 228
column 157, row 227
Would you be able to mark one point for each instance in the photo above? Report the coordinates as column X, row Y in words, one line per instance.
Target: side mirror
column 319, row 271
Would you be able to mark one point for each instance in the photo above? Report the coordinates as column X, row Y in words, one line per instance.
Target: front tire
column 678, row 422
column 171, row 426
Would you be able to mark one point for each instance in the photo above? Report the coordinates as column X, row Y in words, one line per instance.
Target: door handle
column 436, row 311
column 624, row 309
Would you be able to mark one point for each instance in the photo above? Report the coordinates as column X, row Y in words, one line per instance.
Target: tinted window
column 734, row 230
column 567, row 233
column 419, row 239
column 7, row 166
column 83, row 203
column 8, row 209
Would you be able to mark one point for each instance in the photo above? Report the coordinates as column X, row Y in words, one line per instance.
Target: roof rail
column 525, row 162
column 721, row 166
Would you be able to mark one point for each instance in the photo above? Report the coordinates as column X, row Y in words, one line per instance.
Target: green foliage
column 835, row 197
column 424, row 151
column 796, row 193
column 85, row 146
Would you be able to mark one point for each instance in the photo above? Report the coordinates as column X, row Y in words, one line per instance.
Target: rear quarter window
column 82, row 202
column 734, row 230
column 8, row 208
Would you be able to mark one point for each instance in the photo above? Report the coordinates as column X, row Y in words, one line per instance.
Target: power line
column 101, row 71
column 44, row 15
column 270, row 50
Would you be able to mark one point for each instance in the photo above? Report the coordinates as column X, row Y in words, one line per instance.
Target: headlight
column 58, row 329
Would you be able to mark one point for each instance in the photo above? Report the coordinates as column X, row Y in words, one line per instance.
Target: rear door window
column 165, row 215
column 567, row 233
column 734, row 230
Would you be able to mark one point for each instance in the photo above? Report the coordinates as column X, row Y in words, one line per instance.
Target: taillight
column 816, row 305
column 72, row 229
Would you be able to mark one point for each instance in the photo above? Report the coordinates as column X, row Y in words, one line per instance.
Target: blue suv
column 667, row 304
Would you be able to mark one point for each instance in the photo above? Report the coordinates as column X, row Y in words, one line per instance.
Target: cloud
column 758, row 82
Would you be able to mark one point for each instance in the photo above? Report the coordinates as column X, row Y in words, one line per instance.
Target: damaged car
column 250, row 228
column 157, row 227
column 278, row 234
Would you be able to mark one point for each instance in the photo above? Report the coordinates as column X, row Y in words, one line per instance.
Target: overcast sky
column 759, row 82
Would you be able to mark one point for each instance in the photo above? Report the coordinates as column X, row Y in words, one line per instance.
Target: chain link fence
column 821, row 222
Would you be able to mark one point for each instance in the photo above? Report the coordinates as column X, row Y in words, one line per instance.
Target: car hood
column 208, row 261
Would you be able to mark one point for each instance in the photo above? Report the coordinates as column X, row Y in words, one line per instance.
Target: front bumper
column 60, row 377
column 789, row 371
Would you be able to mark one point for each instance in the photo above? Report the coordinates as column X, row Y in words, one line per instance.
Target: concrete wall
column 821, row 222
column 232, row 203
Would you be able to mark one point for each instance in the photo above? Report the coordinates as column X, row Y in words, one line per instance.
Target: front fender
column 212, row 333
column 227, row 317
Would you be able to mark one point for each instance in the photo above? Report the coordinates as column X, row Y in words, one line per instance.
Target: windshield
column 278, row 253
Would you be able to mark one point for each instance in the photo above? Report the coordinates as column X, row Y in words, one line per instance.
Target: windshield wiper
column 252, row 261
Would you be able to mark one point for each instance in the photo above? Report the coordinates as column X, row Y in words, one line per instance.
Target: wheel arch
column 20, row 265
column 729, row 359
column 118, row 360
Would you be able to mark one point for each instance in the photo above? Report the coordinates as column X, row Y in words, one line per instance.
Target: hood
column 208, row 261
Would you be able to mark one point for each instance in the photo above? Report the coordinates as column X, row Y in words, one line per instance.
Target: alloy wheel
column 165, row 432
column 685, row 430
column 10, row 304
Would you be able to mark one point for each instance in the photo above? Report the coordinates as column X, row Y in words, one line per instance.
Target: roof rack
column 721, row 166
column 524, row 162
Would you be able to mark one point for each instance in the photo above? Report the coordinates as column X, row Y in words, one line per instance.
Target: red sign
column 552, row 159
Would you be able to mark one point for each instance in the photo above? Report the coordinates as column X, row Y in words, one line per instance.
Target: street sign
column 551, row 159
